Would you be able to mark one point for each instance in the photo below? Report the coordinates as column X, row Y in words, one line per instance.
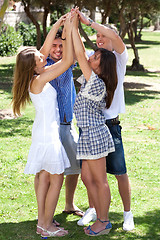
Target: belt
column 114, row 121
column 65, row 123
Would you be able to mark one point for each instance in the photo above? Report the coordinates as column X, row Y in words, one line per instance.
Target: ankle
column 125, row 212
column 102, row 221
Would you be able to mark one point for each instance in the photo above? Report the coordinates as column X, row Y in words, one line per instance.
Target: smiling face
column 103, row 42
column 56, row 50
column 94, row 62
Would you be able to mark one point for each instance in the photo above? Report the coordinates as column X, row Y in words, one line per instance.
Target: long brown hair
column 108, row 73
column 24, row 71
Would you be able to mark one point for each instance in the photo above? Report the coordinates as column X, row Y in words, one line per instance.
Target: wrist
column 90, row 21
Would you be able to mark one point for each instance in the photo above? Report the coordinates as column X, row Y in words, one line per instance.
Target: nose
column 58, row 49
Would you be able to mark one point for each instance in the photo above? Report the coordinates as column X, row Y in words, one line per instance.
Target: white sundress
column 46, row 151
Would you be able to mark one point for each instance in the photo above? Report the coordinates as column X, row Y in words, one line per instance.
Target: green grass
column 148, row 50
column 141, row 136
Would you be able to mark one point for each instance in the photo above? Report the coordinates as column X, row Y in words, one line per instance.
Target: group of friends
column 46, row 78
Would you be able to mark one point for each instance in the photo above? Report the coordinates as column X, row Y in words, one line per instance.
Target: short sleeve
column 81, row 79
column 95, row 88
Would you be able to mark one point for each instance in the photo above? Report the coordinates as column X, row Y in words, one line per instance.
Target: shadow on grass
column 142, row 74
column 6, row 77
column 6, row 70
column 144, row 42
column 14, row 127
column 146, row 227
column 132, row 97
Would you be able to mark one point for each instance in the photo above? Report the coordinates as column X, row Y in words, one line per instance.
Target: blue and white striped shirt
column 66, row 92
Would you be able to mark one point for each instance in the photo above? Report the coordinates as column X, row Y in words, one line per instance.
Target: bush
column 28, row 33
column 10, row 41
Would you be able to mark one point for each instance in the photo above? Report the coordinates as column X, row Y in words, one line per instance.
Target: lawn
column 141, row 136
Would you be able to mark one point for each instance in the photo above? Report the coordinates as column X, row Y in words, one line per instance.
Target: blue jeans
column 115, row 161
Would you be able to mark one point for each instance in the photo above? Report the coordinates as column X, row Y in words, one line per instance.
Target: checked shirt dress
column 95, row 140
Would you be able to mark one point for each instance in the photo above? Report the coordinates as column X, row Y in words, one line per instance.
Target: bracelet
column 90, row 22
column 63, row 38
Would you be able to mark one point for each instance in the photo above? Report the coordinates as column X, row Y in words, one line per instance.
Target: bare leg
column 52, row 198
column 36, row 182
column 42, row 189
column 97, row 169
column 124, row 190
column 88, row 182
column 47, row 204
column 70, row 187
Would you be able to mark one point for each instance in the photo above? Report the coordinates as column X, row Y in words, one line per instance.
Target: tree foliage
column 128, row 15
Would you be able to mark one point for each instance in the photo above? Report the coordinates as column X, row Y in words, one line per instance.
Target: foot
column 39, row 229
column 74, row 210
column 99, row 228
column 53, row 231
column 89, row 215
column 128, row 224
column 57, row 224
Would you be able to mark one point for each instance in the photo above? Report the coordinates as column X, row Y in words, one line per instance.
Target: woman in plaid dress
column 99, row 81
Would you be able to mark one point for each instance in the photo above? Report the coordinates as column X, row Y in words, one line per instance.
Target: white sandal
column 52, row 234
column 40, row 229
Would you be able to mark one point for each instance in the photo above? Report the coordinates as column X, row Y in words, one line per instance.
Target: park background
column 140, row 132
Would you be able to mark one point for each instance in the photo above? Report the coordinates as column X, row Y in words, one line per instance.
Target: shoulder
column 121, row 58
column 95, row 87
column 124, row 54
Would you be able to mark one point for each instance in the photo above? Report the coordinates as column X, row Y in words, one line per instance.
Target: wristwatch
column 90, row 22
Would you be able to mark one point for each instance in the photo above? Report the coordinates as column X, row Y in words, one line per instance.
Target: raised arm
column 51, row 72
column 61, row 66
column 45, row 49
column 80, row 49
column 117, row 42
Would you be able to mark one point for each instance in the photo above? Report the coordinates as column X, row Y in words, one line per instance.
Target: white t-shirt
column 118, row 103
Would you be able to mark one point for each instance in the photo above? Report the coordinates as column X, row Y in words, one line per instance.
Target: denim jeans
column 115, row 161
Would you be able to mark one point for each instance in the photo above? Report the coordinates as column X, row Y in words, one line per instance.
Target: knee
column 122, row 178
column 85, row 179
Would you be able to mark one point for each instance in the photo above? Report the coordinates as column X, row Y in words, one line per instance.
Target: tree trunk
column 3, row 7
column 88, row 41
column 34, row 21
column 139, row 36
column 45, row 15
column 157, row 24
column 123, row 28
column 106, row 12
column 136, row 66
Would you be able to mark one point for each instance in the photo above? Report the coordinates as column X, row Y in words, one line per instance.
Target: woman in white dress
column 47, row 158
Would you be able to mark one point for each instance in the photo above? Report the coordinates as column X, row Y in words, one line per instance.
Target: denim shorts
column 69, row 138
column 115, row 161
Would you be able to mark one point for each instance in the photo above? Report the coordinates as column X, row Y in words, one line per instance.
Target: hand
column 68, row 24
column 61, row 20
column 82, row 18
column 75, row 20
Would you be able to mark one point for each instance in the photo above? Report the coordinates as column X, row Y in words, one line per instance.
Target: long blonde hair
column 24, row 71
